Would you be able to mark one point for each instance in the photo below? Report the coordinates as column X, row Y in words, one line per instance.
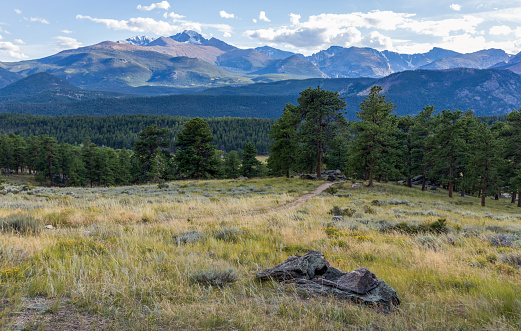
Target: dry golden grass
column 113, row 254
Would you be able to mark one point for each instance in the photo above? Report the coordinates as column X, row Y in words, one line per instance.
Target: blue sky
column 33, row 29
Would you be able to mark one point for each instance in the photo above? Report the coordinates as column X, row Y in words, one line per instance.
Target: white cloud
column 518, row 32
column 138, row 24
column 18, row 11
column 444, row 28
column 1, row 37
column 19, row 41
column 379, row 41
column 149, row 25
column 67, row 31
column 66, row 43
column 455, row 7
column 12, row 50
column 500, row 30
column 173, row 16
column 263, row 17
column 323, row 30
column 227, row 35
column 37, row 19
column 224, row 14
column 160, row 5
column 294, row 18
column 254, row 20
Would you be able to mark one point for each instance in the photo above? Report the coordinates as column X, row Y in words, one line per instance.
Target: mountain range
column 188, row 62
column 212, row 71
column 485, row 91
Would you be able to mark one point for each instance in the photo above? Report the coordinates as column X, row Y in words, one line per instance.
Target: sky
column 31, row 29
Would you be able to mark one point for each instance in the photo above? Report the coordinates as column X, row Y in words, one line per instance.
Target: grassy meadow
column 185, row 257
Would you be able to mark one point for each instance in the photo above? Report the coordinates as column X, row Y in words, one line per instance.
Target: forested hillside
column 121, row 131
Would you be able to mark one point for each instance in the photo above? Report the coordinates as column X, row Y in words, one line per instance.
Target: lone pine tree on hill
column 195, row 157
column 376, row 130
column 319, row 109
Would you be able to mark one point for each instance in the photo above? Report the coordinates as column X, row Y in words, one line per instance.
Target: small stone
column 48, row 226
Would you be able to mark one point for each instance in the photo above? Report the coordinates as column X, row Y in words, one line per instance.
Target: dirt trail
column 301, row 200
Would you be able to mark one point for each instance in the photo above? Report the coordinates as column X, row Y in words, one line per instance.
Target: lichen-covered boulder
column 312, row 274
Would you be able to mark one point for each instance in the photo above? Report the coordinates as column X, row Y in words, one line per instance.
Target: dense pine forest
column 451, row 149
column 121, row 131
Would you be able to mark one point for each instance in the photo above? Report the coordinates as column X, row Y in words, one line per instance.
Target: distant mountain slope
column 513, row 64
column 190, row 37
column 243, row 60
column 174, row 48
column 7, row 77
column 401, row 62
column 44, row 87
column 293, row 65
column 115, row 67
column 275, row 53
column 487, row 92
column 353, row 62
column 345, row 86
column 478, row 60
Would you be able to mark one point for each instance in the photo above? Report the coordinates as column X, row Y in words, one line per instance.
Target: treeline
column 122, row 131
column 150, row 160
column 452, row 149
column 173, row 105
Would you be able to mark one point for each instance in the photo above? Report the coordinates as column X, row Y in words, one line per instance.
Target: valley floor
column 185, row 257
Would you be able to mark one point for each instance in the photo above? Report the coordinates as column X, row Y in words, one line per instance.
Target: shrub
column 228, row 234
column 331, row 190
column 294, row 249
column 189, row 237
column 337, row 211
column 511, row 259
column 213, row 277
column 428, row 242
column 502, row 240
column 436, row 227
column 378, row 203
column 22, row 224
column 369, row 210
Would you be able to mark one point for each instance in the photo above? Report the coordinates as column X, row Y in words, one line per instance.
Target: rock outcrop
column 312, row 274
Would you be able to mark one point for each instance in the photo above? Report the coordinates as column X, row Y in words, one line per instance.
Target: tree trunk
column 380, row 178
column 450, row 190
column 409, row 181
column 424, row 179
column 370, row 177
column 483, row 198
column 319, row 159
column 514, row 196
column 462, row 193
column 287, row 173
column 519, row 199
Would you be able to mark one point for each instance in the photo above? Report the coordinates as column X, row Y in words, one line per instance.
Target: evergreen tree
column 376, row 130
column 421, row 136
column 250, row 166
column 47, row 158
column 77, row 174
column 145, row 148
column 513, row 141
column 283, row 151
column 338, row 147
column 449, row 146
column 319, row 109
column 231, row 165
column 483, row 161
column 195, row 157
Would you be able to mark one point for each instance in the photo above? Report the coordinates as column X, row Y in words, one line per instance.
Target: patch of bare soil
column 301, row 200
column 49, row 314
